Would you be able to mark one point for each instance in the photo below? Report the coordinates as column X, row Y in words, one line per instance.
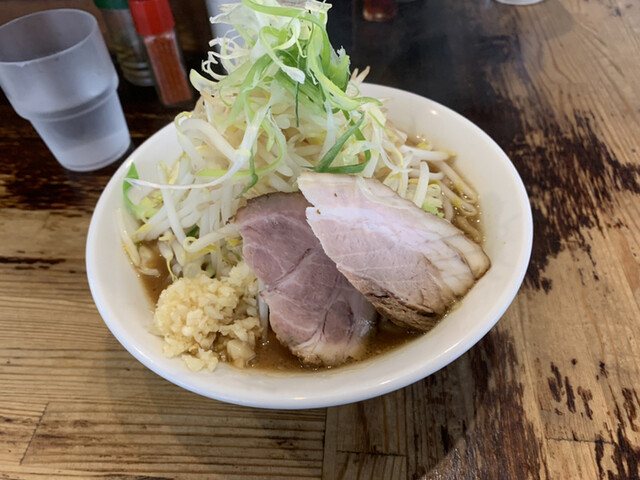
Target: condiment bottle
column 126, row 42
column 154, row 21
column 379, row 10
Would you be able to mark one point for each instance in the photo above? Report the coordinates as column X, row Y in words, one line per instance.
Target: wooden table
column 551, row 392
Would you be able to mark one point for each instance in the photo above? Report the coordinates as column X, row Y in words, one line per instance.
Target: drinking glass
column 57, row 73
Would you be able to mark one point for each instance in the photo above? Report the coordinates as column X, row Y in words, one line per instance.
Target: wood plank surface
column 553, row 391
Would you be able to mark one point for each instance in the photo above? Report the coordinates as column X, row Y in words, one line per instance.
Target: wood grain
column 553, row 391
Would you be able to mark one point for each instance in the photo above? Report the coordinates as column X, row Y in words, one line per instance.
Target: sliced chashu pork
column 313, row 309
column 411, row 264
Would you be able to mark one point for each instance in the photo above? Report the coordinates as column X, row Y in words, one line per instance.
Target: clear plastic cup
column 57, row 73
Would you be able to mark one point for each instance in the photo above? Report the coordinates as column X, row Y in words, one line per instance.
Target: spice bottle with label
column 154, row 21
column 126, row 42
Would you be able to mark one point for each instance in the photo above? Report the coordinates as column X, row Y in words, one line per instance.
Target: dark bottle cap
column 111, row 4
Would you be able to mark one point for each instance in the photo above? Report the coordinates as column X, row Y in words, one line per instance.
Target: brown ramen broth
column 155, row 285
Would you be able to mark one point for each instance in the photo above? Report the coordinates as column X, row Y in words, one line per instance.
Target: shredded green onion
column 286, row 102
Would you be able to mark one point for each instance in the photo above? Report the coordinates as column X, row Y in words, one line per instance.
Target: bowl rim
column 323, row 398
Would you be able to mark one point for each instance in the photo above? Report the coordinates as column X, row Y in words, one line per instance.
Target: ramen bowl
column 122, row 301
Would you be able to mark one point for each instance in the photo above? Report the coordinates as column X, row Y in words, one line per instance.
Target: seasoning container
column 154, row 21
column 126, row 42
column 379, row 10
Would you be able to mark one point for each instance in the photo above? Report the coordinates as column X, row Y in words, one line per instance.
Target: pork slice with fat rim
column 313, row 309
column 412, row 265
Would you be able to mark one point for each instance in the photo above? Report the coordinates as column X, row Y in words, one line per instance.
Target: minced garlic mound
column 209, row 320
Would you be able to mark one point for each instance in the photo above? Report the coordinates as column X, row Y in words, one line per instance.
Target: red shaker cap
column 151, row 17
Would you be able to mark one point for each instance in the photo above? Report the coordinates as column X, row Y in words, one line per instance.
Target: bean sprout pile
column 287, row 103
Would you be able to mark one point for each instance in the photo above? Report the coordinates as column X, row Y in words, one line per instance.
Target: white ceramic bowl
column 123, row 304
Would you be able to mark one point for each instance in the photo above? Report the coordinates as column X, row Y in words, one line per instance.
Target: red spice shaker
column 155, row 24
